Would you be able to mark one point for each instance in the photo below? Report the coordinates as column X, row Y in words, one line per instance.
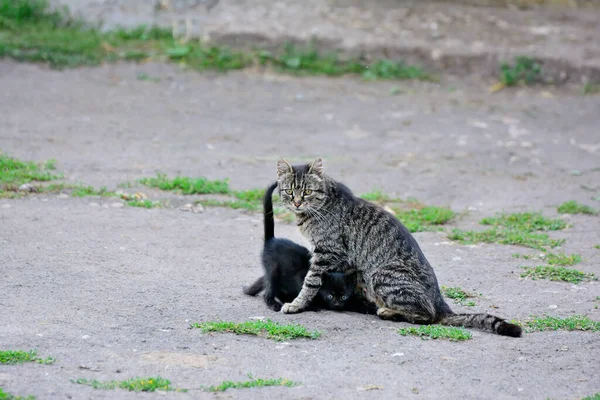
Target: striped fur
column 347, row 230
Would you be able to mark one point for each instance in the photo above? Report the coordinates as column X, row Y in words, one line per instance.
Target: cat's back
column 287, row 254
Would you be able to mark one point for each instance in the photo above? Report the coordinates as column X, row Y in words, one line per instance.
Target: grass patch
column 150, row 384
column 252, row 383
column 20, row 357
column 437, row 332
column 376, row 196
column 556, row 274
column 527, row 222
column 83, row 191
column 458, row 295
column 8, row 396
column 572, row 207
column 30, row 32
column 526, row 239
column 524, row 71
column 424, row 219
column 597, row 246
column 187, row 185
column 548, row 323
column 591, row 88
column 14, row 172
column 561, row 259
column 144, row 203
column 520, row 229
column 268, row 328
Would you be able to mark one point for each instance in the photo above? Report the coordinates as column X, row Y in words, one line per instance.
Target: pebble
column 5, row 206
column 94, row 205
column 198, row 208
column 26, row 187
column 117, row 205
column 63, row 196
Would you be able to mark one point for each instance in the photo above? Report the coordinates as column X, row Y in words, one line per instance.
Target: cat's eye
column 330, row 297
column 289, row 191
column 308, row 192
column 344, row 297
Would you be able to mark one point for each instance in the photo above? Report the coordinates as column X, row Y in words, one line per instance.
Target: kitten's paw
column 289, row 308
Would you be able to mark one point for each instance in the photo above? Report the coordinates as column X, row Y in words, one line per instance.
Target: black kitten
column 286, row 264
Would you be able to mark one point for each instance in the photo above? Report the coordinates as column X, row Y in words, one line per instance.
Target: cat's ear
column 283, row 167
column 316, row 167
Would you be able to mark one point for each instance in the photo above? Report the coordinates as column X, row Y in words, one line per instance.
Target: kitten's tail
column 268, row 212
column 485, row 322
column 255, row 288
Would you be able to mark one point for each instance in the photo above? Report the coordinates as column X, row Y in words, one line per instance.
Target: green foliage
column 187, row 185
column 572, row 207
column 20, row 357
column 8, row 396
column 521, row 229
column 14, row 173
column 144, row 203
column 268, row 328
column 252, row 383
column 83, row 191
column 556, row 274
column 458, row 295
column 524, row 71
column 34, row 33
column 437, row 332
column 573, row 323
column 150, row 384
column 425, row 218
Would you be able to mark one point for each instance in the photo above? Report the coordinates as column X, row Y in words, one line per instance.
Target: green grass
column 144, row 203
column 14, row 172
column 524, row 71
column 376, row 196
column 562, row 259
column 20, row 357
column 520, row 229
column 572, row 207
column 268, row 328
column 556, row 274
column 187, row 185
column 526, row 222
column 252, row 383
column 437, row 332
column 517, row 238
column 30, row 32
column 597, row 246
column 424, row 219
column 150, row 384
column 83, row 191
column 8, row 396
column 458, row 295
column 591, row 88
column 548, row 323
column 592, row 397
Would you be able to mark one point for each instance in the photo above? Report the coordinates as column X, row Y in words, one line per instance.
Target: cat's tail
column 485, row 322
column 255, row 288
column 268, row 212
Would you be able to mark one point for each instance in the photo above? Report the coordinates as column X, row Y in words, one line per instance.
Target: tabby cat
column 286, row 264
column 347, row 230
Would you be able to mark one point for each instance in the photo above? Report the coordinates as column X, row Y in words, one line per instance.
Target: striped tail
column 485, row 322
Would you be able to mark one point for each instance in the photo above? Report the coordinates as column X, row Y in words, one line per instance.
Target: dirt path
column 110, row 292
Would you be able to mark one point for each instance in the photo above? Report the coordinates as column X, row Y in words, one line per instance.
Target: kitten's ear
column 316, row 167
column 283, row 167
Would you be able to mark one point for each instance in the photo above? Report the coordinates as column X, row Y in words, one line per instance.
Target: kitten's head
column 301, row 187
column 337, row 288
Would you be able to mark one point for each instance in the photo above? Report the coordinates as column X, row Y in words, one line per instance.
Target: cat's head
column 301, row 187
column 337, row 288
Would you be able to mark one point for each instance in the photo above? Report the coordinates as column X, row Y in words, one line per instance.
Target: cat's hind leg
column 400, row 298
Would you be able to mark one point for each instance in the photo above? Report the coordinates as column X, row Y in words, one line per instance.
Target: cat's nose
column 297, row 204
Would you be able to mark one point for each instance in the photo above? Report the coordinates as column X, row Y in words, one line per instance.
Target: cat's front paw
column 289, row 308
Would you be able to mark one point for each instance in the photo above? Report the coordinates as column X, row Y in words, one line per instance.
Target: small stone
column 84, row 337
column 26, row 187
column 198, row 208
column 258, row 318
column 186, row 207
column 397, row 354
column 553, row 306
column 94, row 205
column 5, row 206
column 117, row 205
column 456, row 258
column 63, row 196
